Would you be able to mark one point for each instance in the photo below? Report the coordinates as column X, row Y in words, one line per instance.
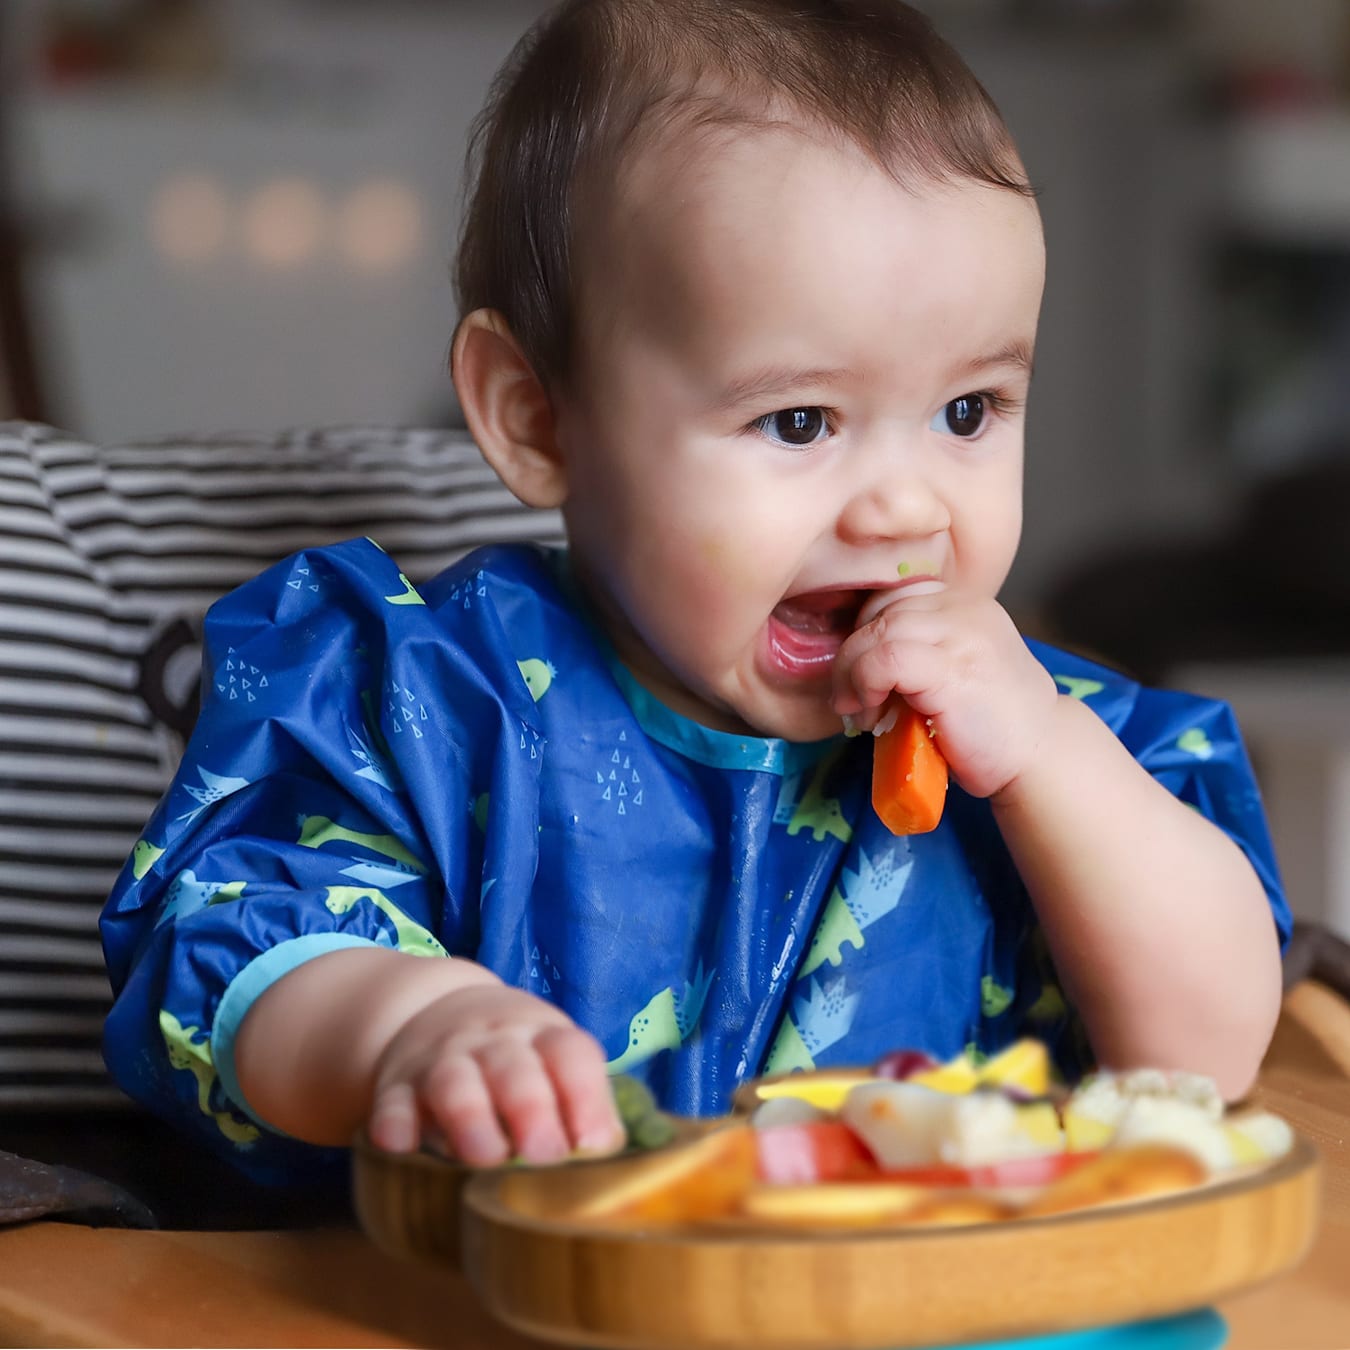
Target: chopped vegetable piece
column 1025, row 1064
column 644, row 1123
column 825, row 1150
column 1040, row 1170
column 902, row 1064
column 689, row 1182
column 825, row 1089
column 909, row 776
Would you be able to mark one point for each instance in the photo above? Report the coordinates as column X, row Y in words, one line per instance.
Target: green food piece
column 644, row 1123
column 994, row 998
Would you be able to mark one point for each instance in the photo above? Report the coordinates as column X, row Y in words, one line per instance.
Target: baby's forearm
column 307, row 1051
column 1158, row 924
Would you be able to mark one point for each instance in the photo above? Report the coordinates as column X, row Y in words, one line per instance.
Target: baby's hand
column 499, row 1074
column 961, row 662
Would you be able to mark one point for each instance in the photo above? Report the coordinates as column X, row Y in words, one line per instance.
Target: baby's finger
column 525, row 1099
column 458, row 1101
column 576, row 1064
column 904, row 667
column 905, row 626
column 394, row 1123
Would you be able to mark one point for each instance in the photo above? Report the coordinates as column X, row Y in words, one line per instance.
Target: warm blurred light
column 283, row 222
column 380, row 226
column 189, row 217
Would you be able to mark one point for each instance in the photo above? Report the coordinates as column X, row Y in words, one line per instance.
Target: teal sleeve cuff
column 245, row 989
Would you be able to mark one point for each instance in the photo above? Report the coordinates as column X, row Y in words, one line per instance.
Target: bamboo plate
column 721, row 1288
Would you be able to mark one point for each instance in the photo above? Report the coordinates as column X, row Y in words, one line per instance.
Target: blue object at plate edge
column 1200, row 1330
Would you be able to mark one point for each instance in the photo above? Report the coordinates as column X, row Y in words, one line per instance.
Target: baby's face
column 799, row 387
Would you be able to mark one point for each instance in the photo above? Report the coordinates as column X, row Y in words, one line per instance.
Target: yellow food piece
column 1039, row 1121
column 1245, row 1148
column 1024, row 1064
column 832, row 1204
column 825, row 1090
column 955, row 1076
column 1086, row 1134
column 1257, row 1137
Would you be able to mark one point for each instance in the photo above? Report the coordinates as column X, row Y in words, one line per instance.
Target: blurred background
column 240, row 214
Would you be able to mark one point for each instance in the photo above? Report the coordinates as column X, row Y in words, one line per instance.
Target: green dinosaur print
column 1195, row 742
column 407, row 596
column 789, row 1051
column 837, row 926
column 1049, row 1005
column 654, row 1029
column 316, row 831
column 817, row 812
column 411, row 936
column 1079, row 688
column 480, row 812
column 538, row 676
column 994, row 998
column 143, row 857
column 195, row 1057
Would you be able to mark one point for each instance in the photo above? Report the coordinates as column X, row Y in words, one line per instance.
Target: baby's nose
column 897, row 505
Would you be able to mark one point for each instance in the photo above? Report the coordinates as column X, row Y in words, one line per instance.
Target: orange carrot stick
column 909, row 776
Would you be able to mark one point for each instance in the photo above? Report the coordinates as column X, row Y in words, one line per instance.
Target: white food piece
column 786, row 1111
column 1271, row 1135
column 1106, row 1096
column 908, row 1125
column 1165, row 1120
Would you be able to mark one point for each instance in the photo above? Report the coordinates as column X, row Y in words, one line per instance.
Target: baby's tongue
column 820, row 612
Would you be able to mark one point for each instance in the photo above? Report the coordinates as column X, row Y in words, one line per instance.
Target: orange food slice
column 909, row 776
column 1134, row 1172
column 682, row 1184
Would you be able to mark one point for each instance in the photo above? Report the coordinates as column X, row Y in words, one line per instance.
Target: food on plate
column 918, row 1142
column 645, row 1125
column 1123, row 1172
column 698, row 1180
column 909, row 775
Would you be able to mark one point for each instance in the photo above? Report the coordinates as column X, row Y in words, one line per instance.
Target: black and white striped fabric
column 109, row 557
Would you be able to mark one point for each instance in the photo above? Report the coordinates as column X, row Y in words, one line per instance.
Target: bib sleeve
column 326, row 800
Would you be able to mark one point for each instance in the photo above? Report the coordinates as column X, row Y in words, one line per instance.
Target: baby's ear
column 507, row 408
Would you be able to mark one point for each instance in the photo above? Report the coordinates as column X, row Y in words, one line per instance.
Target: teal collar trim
column 704, row 745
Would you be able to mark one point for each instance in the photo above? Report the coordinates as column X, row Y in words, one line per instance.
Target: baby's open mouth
column 806, row 631
column 821, row 611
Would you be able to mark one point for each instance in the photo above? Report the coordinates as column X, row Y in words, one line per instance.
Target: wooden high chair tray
column 597, row 1285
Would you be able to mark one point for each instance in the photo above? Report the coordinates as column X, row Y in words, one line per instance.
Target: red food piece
column 902, row 1064
column 822, row 1150
column 1038, row 1171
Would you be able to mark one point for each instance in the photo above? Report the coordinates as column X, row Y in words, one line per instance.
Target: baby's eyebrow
column 776, row 380
column 1015, row 354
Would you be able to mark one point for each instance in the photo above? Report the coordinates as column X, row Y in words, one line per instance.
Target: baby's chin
column 795, row 720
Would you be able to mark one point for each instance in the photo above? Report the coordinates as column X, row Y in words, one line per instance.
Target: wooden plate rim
column 482, row 1194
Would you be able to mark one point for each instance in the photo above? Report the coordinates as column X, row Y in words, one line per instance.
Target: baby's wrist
column 1048, row 758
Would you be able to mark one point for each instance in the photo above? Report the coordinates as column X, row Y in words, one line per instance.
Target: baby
column 750, row 291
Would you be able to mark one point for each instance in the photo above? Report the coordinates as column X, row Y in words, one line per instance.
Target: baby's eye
column 797, row 427
column 964, row 416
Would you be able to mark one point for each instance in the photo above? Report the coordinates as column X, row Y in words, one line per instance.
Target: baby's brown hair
column 594, row 80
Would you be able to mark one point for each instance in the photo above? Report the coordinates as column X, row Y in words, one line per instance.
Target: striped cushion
column 108, row 559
